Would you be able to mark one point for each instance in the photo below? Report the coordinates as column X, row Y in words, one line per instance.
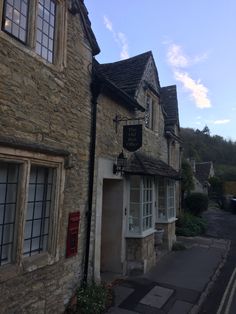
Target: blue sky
column 194, row 46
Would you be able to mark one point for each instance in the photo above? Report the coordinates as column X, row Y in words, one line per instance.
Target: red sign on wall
column 72, row 234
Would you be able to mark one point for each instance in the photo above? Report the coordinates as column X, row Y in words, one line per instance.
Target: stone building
column 202, row 172
column 132, row 202
column 46, row 52
column 67, row 211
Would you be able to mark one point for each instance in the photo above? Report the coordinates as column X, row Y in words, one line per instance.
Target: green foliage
column 216, row 191
column 93, row 299
column 226, row 172
column 189, row 225
column 201, row 146
column 187, row 183
column 196, row 203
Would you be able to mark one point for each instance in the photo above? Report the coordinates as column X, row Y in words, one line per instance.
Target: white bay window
column 166, row 199
column 141, row 205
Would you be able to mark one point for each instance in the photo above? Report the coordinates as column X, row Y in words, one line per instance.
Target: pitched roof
column 100, row 77
column 142, row 164
column 126, row 74
column 169, row 102
column 202, row 171
column 78, row 7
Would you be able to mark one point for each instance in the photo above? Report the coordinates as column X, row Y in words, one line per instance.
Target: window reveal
column 171, row 198
column 149, row 113
column 162, row 212
column 147, row 203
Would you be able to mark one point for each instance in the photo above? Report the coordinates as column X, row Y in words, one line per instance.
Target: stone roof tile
column 142, row 164
column 126, row 74
column 202, row 171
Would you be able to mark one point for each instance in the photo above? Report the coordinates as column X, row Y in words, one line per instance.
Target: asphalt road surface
column 222, row 298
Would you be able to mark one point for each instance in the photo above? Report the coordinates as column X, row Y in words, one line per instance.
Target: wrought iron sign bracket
column 119, row 119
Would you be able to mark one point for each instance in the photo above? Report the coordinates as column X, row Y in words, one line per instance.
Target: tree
column 216, row 191
column 187, row 183
column 206, row 130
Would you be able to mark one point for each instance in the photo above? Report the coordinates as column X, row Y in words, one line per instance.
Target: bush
column 189, row 225
column 93, row 299
column 196, row 203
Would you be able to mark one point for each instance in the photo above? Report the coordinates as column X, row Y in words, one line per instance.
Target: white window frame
column 143, row 191
column 59, row 51
column 169, row 199
column 25, row 159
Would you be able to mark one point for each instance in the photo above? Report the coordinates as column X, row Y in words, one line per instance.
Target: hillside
column 201, row 146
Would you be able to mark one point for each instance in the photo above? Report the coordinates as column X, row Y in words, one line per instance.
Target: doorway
column 111, row 231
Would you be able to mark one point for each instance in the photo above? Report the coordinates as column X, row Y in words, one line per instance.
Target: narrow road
column 221, row 299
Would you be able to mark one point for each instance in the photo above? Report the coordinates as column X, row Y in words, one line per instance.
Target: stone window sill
column 167, row 221
column 32, row 263
column 26, row 49
column 141, row 235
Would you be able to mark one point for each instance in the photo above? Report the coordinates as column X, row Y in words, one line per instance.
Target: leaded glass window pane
column 9, row 174
column 45, row 33
column 40, row 194
column 15, row 18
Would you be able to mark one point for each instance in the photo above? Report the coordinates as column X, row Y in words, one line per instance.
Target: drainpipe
column 95, row 90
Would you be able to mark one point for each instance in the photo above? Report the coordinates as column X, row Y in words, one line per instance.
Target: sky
column 194, row 46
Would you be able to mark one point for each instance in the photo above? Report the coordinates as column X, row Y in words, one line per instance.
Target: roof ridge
column 148, row 53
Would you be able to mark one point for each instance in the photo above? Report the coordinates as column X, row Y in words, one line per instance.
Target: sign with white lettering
column 132, row 137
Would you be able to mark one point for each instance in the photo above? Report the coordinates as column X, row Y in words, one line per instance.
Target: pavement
column 178, row 284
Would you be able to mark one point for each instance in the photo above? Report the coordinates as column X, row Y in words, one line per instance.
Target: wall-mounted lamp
column 121, row 162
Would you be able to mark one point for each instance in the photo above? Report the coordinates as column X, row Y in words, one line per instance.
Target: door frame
column 105, row 171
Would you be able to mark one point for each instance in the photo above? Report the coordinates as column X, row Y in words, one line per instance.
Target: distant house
column 202, row 172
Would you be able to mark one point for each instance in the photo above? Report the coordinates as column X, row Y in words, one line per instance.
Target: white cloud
column 119, row 37
column 200, row 58
column 108, row 24
column 223, row 121
column 196, row 88
column 176, row 57
column 179, row 60
column 124, row 54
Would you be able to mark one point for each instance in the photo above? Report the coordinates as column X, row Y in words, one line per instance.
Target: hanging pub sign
column 132, row 137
